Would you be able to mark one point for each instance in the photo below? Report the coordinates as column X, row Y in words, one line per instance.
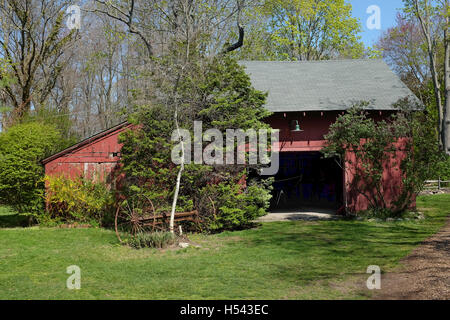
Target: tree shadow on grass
column 14, row 220
column 337, row 235
column 323, row 250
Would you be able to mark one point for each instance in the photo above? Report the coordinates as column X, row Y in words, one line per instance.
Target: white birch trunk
column 180, row 171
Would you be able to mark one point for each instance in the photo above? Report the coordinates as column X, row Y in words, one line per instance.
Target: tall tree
column 101, row 88
column 159, row 23
column 446, row 125
column 175, row 35
column 433, row 19
column 403, row 47
column 33, row 39
column 308, row 30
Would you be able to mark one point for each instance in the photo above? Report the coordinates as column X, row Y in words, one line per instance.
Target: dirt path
column 426, row 274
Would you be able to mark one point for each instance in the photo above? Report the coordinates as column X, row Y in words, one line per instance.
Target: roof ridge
column 85, row 141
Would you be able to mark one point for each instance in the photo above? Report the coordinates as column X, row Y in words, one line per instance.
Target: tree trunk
column 446, row 122
column 424, row 23
column 180, row 171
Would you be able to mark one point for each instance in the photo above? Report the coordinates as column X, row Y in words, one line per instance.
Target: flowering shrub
column 77, row 200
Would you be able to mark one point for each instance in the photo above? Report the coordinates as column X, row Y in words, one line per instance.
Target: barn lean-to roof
column 85, row 142
column 327, row 85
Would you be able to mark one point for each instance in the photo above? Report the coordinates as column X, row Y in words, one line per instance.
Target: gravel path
column 426, row 274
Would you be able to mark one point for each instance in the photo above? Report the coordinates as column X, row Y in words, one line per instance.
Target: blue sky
column 388, row 11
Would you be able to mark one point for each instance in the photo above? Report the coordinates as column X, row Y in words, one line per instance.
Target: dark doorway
column 307, row 180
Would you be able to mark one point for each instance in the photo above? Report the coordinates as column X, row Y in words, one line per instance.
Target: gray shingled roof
column 326, row 85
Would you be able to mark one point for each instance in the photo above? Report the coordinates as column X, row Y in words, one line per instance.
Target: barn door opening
column 307, row 181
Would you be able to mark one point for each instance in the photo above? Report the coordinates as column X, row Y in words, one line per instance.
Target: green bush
column 235, row 206
column 77, row 200
column 443, row 169
column 156, row 239
column 21, row 148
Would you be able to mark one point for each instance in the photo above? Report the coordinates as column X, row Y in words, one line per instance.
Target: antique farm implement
column 138, row 214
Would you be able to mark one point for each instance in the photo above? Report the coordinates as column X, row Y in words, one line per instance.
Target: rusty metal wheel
column 130, row 214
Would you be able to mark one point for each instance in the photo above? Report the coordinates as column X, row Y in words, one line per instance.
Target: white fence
column 437, row 184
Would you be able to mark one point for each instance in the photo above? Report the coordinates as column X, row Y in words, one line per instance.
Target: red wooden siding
column 95, row 158
column 391, row 181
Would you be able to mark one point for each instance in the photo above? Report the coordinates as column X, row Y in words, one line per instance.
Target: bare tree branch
column 240, row 40
column 127, row 19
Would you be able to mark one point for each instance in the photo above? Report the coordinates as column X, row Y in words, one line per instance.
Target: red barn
column 305, row 98
column 95, row 157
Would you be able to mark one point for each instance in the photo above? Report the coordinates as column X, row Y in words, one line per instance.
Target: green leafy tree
column 21, row 149
column 303, row 30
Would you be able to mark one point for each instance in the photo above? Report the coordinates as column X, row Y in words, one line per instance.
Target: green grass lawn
column 278, row 260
